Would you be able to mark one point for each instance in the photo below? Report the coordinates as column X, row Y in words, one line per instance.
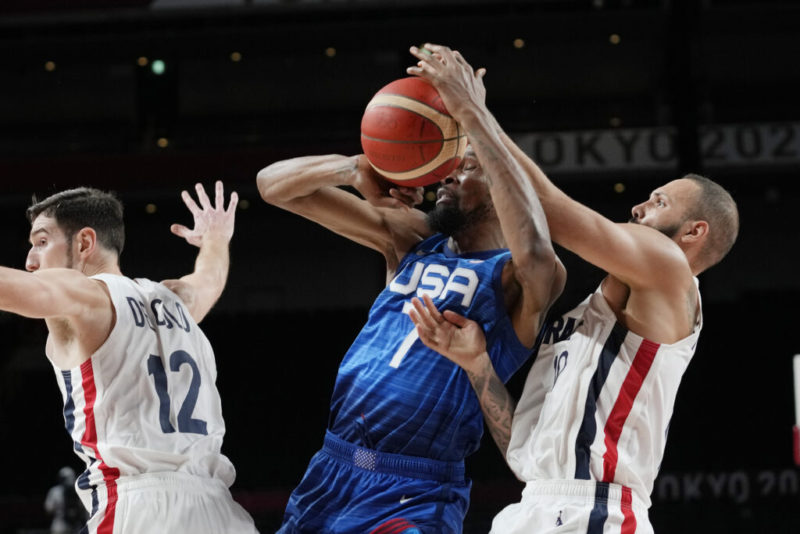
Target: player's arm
column 462, row 341
column 51, row 293
column 536, row 268
column 311, row 187
column 637, row 255
column 212, row 233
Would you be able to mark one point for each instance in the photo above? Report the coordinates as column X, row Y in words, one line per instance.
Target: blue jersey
column 395, row 395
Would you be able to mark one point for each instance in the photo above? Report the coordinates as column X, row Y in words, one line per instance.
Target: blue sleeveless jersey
column 392, row 393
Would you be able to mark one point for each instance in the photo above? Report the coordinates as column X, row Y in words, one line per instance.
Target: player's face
column 49, row 246
column 462, row 199
column 466, row 187
column 667, row 206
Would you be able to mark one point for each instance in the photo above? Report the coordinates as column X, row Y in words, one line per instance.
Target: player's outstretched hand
column 455, row 337
column 209, row 220
column 380, row 192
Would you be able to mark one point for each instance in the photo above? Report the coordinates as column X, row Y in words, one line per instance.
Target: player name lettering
column 158, row 315
column 436, row 281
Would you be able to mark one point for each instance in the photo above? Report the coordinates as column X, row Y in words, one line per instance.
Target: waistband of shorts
column 589, row 491
column 186, row 482
column 392, row 464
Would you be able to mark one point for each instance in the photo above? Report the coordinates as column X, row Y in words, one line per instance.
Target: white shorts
column 573, row 506
column 175, row 503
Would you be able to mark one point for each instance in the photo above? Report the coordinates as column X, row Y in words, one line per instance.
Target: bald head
column 714, row 204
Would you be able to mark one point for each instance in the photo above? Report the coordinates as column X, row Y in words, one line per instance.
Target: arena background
column 613, row 97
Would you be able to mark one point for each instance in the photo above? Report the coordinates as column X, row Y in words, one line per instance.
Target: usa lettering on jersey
column 437, row 281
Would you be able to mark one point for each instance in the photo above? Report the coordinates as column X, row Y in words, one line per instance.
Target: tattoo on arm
column 496, row 403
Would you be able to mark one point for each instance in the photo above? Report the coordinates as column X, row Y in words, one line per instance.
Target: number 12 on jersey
column 186, row 423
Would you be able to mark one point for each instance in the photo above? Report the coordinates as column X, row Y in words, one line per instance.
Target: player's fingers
column 481, row 72
column 442, row 52
column 456, row 319
column 201, row 195
column 431, row 307
column 190, row 203
column 434, row 47
column 403, row 197
column 219, row 195
column 459, row 58
column 423, row 314
column 233, row 202
column 179, row 230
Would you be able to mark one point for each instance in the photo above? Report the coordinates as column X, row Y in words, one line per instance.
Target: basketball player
column 135, row 371
column 402, row 419
column 589, row 431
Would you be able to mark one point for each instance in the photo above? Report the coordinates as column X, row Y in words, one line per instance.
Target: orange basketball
column 408, row 136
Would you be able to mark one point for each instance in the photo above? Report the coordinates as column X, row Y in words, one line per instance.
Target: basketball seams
column 412, row 141
column 445, row 154
column 444, row 122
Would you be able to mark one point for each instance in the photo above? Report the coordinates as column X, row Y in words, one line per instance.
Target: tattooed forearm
column 496, row 403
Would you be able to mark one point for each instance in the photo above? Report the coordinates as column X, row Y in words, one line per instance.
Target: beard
column 450, row 220
column 447, row 220
column 669, row 230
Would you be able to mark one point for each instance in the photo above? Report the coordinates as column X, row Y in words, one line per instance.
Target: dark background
column 717, row 81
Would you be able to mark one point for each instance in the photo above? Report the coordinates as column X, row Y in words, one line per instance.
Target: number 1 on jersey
column 409, row 340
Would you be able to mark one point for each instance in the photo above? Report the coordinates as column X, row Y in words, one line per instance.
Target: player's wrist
column 479, row 364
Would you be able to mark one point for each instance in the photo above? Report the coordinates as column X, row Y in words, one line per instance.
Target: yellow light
column 236, row 57
column 430, row 196
column 151, row 208
column 244, row 204
column 619, row 187
column 49, row 66
column 162, row 142
column 330, row 51
column 142, row 61
column 614, row 38
column 519, row 43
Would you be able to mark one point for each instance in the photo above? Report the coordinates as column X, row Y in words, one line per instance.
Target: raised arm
column 536, row 268
column 310, row 186
column 212, row 233
column 462, row 341
column 637, row 255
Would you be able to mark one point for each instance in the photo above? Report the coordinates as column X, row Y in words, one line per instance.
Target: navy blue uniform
column 403, row 417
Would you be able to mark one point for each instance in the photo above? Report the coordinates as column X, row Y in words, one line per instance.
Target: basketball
column 408, row 136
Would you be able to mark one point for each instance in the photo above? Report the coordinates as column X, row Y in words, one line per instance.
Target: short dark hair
column 716, row 206
column 78, row 208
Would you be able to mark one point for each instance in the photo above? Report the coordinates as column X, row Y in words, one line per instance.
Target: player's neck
column 477, row 238
column 105, row 266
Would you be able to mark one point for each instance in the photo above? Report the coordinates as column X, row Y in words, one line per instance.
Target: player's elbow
column 268, row 181
column 536, row 257
column 541, row 272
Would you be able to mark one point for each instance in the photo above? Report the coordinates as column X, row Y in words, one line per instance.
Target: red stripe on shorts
column 629, row 523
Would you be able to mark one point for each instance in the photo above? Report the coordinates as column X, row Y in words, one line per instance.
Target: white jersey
column 597, row 403
column 146, row 400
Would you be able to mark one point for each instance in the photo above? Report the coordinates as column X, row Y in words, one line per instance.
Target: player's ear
column 86, row 239
column 695, row 231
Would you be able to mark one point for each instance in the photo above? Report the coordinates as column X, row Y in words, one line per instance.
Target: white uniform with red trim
column 589, row 431
column 145, row 415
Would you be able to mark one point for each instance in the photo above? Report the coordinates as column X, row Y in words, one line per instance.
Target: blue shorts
column 353, row 490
